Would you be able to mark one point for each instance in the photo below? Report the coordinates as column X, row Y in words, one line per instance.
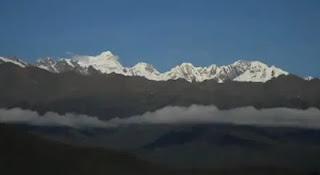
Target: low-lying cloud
column 20, row 116
column 195, row 114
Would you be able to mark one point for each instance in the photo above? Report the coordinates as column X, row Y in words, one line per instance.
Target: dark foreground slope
column 203, row 146
column 107, row 96
column 22, row 153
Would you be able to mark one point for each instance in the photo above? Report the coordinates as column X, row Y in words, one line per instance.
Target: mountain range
column 106, row 62
column 109, row 95
column 101, row 88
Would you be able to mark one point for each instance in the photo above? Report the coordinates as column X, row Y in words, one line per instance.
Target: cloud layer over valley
column 195, row 114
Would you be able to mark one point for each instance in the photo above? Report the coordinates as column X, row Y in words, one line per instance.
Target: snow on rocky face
column 106, row 62
column 145, row 70
column 259, row 72
column 62, row 65
column 184, row 71
column 17, row 62
column 249, row 71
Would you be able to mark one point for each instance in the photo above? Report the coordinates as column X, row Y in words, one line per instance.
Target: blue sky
column 164, row 33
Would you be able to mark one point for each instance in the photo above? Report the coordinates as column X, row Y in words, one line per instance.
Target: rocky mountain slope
column 110, row 95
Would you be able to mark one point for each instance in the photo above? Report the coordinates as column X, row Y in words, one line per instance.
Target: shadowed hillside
column 111, row 95
column 22, row 153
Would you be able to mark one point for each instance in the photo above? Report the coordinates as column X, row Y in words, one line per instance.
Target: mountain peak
column 145, row 70
column 106, row 62
column 257, row 71
column 106, row 54
column 186, row 65
column 247, row 63
column 241, row 61
column 15, row 61
column 144, row 66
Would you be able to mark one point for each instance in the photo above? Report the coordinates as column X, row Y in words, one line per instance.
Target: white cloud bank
column 195, row 114
column 17, row 115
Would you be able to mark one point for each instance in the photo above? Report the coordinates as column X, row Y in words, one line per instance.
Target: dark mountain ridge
column 109, row 95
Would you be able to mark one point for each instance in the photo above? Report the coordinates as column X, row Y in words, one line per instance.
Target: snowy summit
column 106, row 62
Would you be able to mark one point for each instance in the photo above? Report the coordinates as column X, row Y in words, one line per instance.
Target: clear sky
column 164, row 33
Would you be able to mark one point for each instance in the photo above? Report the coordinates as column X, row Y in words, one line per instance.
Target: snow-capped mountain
column 106, row 62
column 250, row 71
column 259, row 72
column 144, row 70
column 15, row 61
